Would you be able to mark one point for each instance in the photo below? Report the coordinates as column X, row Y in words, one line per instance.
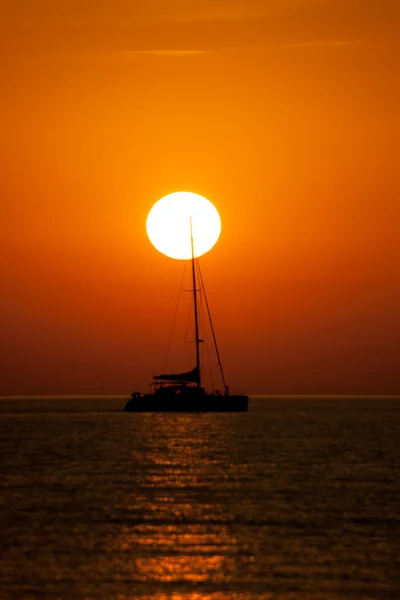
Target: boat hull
column 207, row 403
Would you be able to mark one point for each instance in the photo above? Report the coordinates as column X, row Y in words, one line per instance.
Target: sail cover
column 190, row 376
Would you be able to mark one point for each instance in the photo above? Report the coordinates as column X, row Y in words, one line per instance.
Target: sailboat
column 184, row 392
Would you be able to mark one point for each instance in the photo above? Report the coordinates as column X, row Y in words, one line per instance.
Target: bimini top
column 189, row 377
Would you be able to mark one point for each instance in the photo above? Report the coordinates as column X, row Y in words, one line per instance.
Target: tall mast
column 196, row 320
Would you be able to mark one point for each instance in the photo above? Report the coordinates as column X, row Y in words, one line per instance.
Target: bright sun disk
column 168, row 225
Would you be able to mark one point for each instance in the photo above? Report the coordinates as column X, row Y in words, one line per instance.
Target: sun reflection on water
column 178, row 523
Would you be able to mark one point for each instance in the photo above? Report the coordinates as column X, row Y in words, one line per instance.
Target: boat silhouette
column 183, row 392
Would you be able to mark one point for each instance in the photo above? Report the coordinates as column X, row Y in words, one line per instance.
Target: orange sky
column 284, row 113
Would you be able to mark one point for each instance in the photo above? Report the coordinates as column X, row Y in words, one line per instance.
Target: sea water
column 297, row 499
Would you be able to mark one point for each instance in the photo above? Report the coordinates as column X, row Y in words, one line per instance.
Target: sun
column 168, row 225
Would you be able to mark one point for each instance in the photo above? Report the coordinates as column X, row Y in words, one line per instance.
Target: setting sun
column 168, row 225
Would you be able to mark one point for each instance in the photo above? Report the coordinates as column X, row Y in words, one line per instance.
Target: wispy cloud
column 181, row 52
column 199, row 52
column 337, row 43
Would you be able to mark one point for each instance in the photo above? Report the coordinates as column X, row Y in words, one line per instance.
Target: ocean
column 297, row 499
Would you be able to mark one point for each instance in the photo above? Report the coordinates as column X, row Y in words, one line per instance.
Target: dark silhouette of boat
column 183, row 392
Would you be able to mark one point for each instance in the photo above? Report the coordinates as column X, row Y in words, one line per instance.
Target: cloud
column 319, row 43
column 180, row 52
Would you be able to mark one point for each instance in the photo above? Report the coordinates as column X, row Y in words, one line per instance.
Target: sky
column 283, row 113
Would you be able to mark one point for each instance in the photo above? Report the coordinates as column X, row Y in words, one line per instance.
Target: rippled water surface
column 299, row 498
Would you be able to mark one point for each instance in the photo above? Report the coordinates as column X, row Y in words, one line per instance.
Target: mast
column 196, row 320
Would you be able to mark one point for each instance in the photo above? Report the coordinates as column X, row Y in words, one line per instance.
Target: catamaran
column 184, row 392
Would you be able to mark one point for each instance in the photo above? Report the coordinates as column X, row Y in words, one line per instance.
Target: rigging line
column 206, row 344
column 189, row 318
column 212, row 326
column 201, row 330
column 174, row 319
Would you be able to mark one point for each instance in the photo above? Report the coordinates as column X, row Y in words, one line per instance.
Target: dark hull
column 206, row 403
